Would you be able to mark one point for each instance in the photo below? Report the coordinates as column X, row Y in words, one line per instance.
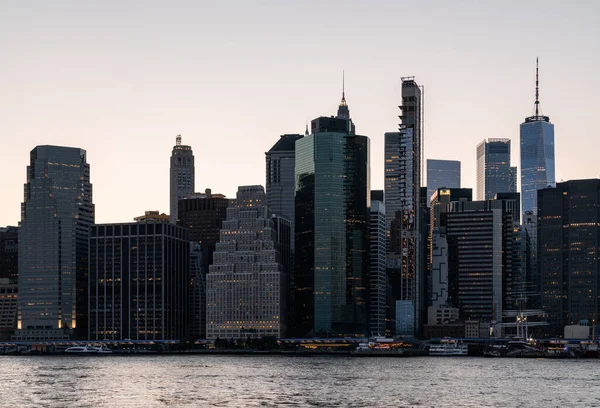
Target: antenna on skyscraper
column 537, row 87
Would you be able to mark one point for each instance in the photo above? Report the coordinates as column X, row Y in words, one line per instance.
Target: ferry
column 449, row 348
column 88, row 349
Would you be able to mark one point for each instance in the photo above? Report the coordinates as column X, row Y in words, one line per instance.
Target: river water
column 274, row 381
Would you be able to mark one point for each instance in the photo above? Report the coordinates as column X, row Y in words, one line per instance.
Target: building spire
column 343, row 110
column 537, row 88
column 306, row 131
column 178, row 140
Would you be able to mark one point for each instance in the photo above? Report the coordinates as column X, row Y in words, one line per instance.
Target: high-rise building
column 442, row 174
column 377, row 271
column 480, row 253
column 537, row 154
column 403, row 158
column 332, row 221
column 9, row 253
column 246, row 285
column 440, row 206
column 494, row 173
column 56, row 216
column 568, row 253
column 138, row 281
column 532, row 283
column 281, row 164
column 182, row 175
column 203, row 215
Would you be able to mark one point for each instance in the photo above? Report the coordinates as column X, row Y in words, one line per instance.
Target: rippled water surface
column 273, row 381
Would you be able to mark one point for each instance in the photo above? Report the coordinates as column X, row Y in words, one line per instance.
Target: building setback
column 403, row 158
column 568, row 237
column 246, row 285
column 203, row 215
column 9, row 253
column 182, row 176
column 442, row 174
column 138, row 281
column 56, row 216
column 494, row 173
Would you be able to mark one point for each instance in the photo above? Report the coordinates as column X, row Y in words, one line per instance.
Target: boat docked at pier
column 88, row 349
column 449, row 348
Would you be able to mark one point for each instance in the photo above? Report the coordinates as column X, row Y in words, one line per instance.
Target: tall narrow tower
column 182, row 175
column 537, row 154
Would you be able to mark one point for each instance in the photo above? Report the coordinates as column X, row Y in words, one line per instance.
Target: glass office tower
column 53, row 245
column 332, row 180
column 494, row 173
column 442, row 174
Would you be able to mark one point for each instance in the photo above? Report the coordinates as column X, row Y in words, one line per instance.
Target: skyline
column 232, row 96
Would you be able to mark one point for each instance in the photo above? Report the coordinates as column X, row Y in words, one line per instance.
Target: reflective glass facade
column 537, row 160
column 494, row 173
column 53, row 243
column 442, row 174
column 332, row 180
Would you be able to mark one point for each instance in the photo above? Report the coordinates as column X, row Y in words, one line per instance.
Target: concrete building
column 332, row 221
column 56, row 217
column 182, row 176
column 9, row 253
column 246, row 285
column 568, row 234
column 403, row 158
column 494, row 172
column 442, row 174
column 377, row 271
column 441, row 315
column 138, row 281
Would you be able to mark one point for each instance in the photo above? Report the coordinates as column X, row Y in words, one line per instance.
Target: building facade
column 494, row 173
column 377, row 271
column 280, row 167
column 9, row 253
column 403, row 160
column 138, row 281
column 442, row 174
column 182, row 176
column 247, row 287
column 332, row 181
column 56, row 217
column 537, row 154
column 568, row 237
column 480, row 253
column 9, row 294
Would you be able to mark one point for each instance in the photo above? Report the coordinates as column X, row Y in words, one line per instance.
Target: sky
column 122, row 79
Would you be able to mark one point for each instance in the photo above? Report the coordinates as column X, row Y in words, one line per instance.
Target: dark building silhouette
column 568, row 238
column 9, row 253
column 138, row 281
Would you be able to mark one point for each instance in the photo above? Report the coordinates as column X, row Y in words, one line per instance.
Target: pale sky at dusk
column 122, row 78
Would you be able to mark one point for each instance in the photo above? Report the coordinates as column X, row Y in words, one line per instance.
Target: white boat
column 88, row 349
column 449, row 348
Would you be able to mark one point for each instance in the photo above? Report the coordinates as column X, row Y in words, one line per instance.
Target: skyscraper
column 403, row 156
column 480, row 253
column 281, row 163
column 246, row 286
column 568, row 253
column 56, row 217
column 537, row 154
column 332, row 251
column 442, row 174
column 182, row 175
column 138, row 281
column 494, row 173
column 377, row 272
